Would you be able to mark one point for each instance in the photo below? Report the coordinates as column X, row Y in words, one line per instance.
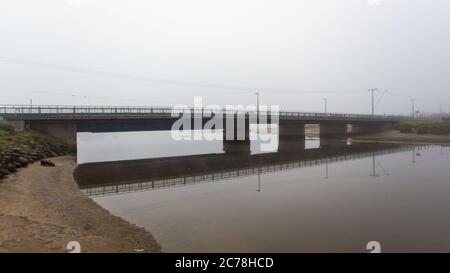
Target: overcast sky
column 165, row 52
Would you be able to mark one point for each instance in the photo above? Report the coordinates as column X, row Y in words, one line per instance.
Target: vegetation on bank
column 437, row 127
column 418, row 123
column 9, row 137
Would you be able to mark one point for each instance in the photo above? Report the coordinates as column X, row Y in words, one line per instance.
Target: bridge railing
column 54, row 110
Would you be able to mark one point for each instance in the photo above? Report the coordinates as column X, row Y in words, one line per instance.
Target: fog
column 165, row 52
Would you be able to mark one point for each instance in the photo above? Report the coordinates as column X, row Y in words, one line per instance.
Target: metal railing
column 67, row 111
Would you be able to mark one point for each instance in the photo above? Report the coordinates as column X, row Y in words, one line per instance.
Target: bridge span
column 63, row 122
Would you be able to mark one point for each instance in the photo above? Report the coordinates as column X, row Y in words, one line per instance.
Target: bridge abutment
column 64, row 131
column 18, row 125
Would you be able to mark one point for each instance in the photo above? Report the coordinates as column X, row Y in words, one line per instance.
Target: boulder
column 16, row 164
column 11, row 168
column 47, row 163
column 4, row 171
column 22, row 160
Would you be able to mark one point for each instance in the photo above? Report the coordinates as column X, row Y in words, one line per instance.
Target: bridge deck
column 12, row 112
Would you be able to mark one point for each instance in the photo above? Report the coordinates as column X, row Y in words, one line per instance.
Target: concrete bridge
column 63, row 122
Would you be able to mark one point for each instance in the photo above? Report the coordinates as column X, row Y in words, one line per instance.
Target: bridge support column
column 291, row 137
column 333, row 130
column 236, row 138
column 333, row 134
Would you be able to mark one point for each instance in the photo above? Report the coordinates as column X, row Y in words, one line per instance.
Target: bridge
column 63, row 122
column 110, row 178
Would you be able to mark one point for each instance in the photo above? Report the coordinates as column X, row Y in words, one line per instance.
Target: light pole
column 373, row 98
column 257, row 112
column 413, row 109
column 326, row 105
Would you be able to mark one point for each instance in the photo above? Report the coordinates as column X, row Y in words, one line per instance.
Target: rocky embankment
column 20, row 155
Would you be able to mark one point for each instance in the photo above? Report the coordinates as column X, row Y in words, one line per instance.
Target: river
column 325, row 198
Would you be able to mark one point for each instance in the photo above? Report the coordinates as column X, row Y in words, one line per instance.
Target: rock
column 4, row 171
column 16, row 164
column 22, row 160
column 47, row 163
column 11, row 168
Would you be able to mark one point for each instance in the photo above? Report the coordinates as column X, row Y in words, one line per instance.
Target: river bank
column 18, row 149
column 397, row 136
column 42, row 209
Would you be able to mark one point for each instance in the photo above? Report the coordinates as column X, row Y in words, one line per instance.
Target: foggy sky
column 165, row 52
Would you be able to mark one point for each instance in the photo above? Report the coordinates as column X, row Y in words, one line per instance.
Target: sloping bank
column 41, row 210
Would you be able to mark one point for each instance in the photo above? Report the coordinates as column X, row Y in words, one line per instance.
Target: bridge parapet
column 42, row 112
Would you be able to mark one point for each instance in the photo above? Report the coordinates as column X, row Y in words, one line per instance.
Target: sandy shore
column 41, row 210
column 396, row 136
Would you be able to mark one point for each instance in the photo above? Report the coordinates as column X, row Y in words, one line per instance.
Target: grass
column 418, row 123
column 8, row 136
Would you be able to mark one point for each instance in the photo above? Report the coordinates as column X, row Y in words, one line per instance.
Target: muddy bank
column 41, row 210
column 397, row 136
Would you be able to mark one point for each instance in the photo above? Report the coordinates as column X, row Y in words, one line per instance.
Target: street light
column 257, row 112
column 373, row 99
column 326, row 102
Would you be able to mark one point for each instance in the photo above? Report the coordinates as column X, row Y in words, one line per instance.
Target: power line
column 160, row 81
column 65, row 94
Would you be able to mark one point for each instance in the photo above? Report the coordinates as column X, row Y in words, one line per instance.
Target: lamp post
column 257, row 112
column 326, row 105
column 373, row 99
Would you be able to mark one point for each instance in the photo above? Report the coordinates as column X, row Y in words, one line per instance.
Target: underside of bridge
column 236, row 136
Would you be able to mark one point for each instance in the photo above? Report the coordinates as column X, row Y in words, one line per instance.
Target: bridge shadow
column 107, row 178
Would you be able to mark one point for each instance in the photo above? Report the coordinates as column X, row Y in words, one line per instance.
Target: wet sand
column 42, row 209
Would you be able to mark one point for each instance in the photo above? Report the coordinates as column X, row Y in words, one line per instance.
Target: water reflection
column 335, row 198
column 137, row 175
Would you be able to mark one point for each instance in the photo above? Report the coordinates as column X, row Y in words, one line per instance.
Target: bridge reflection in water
column 109, row 178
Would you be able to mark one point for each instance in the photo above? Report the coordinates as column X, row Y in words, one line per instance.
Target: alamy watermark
column 229, row 122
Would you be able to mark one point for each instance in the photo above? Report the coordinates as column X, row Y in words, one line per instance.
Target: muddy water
column 326, row 198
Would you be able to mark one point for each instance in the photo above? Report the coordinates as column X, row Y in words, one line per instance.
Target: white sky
column 294, row 52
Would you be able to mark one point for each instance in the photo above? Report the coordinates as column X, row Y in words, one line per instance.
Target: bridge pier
column 236, row 137
column 333, row 130
column 291, row 136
